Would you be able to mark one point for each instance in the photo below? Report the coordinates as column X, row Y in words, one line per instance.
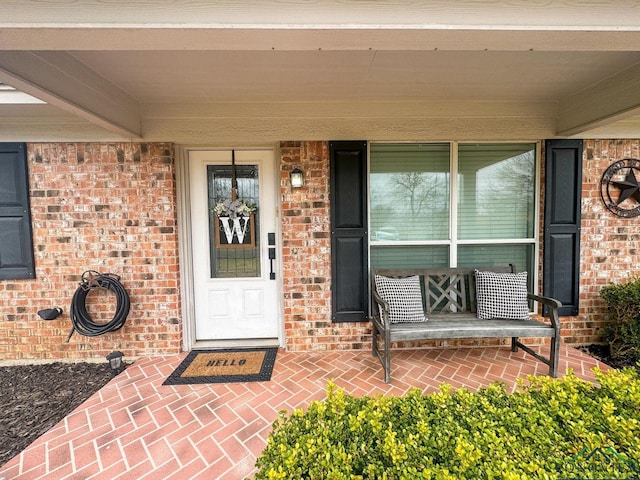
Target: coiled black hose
column 80, row 318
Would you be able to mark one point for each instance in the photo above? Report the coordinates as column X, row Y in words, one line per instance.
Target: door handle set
column 272, row 254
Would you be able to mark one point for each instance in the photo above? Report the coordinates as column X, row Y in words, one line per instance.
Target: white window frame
column 453, row 242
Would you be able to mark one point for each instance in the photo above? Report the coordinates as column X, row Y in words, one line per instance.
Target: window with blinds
column 409, row 192
column 489, row 220
column 496, row 185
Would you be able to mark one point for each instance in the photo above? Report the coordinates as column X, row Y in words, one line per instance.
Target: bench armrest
column 553, row 306
column 384, row 307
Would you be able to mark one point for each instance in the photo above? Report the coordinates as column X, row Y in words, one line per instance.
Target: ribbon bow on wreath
column 233, row 209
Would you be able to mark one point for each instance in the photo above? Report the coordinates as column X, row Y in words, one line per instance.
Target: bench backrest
column 444, row 290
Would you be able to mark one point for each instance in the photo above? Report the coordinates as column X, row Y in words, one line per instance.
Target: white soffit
column 258, row 76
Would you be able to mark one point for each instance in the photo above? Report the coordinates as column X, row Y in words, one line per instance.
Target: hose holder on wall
column 80, row 318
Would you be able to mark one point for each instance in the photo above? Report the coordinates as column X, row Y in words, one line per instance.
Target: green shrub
column 622, row 330
column 489, row 434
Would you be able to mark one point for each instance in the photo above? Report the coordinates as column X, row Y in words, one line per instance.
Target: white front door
column 235, row 286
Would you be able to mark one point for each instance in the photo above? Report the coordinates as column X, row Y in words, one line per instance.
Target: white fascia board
column 60, row 80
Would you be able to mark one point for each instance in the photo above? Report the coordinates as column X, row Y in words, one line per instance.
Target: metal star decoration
column 629, row 187
column 616, row 193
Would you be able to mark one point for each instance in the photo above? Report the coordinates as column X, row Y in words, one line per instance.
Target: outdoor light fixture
column 115, row 362
column 297, row 179
column 50, row 313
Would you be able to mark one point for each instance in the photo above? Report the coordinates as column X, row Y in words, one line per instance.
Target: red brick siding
column 112, row 208
column 104, row 207
column 610, row 245
column 306, row 254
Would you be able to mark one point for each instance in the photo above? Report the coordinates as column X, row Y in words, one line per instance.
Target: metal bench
column 449, row 301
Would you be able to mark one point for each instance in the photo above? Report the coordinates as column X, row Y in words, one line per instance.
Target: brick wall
column 306, row 254
column 112, row 208
column 104, row 207
column 610, row 248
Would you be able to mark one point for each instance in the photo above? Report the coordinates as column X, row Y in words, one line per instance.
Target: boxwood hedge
column 622, row 311
column 546, row 429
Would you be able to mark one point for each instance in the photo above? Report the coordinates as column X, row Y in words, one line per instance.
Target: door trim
column 185, row 251
column 184, row 248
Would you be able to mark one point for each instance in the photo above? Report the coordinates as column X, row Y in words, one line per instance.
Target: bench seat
column 445, row 325
column 451, row 310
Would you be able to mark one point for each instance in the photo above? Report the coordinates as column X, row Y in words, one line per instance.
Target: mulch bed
column 601, row 352
column 33, row 398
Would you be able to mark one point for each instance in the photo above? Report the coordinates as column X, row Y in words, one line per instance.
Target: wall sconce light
column 297, row 178
column 115, row 362
column 50, row 313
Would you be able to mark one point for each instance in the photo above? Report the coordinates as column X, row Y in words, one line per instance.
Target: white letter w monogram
column 239, row 230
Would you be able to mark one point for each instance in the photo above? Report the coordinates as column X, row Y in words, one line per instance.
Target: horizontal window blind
column 496, row 191
column 418, row 256
column 521, row 255
column 409, row 187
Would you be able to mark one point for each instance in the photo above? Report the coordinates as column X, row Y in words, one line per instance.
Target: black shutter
column 563, row 192
column 16, row 244
column 349, row 254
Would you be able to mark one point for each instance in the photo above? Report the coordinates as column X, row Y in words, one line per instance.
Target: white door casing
column 242, row 307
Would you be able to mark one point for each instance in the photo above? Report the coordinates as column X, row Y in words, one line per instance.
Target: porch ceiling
column 258, row 72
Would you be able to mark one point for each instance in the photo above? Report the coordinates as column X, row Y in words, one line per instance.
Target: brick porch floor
column 136, row 428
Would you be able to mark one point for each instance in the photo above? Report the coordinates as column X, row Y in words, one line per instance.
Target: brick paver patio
column 136, row 428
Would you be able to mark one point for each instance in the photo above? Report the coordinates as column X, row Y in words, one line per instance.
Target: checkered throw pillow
column 502, row 295
column 403, row 296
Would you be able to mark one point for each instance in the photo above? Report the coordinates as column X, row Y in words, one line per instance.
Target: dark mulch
column 601, row 352
column 33, row 398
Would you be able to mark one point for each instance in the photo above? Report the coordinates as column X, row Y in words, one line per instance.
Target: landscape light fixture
column 297, row 178
column 115, row 362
